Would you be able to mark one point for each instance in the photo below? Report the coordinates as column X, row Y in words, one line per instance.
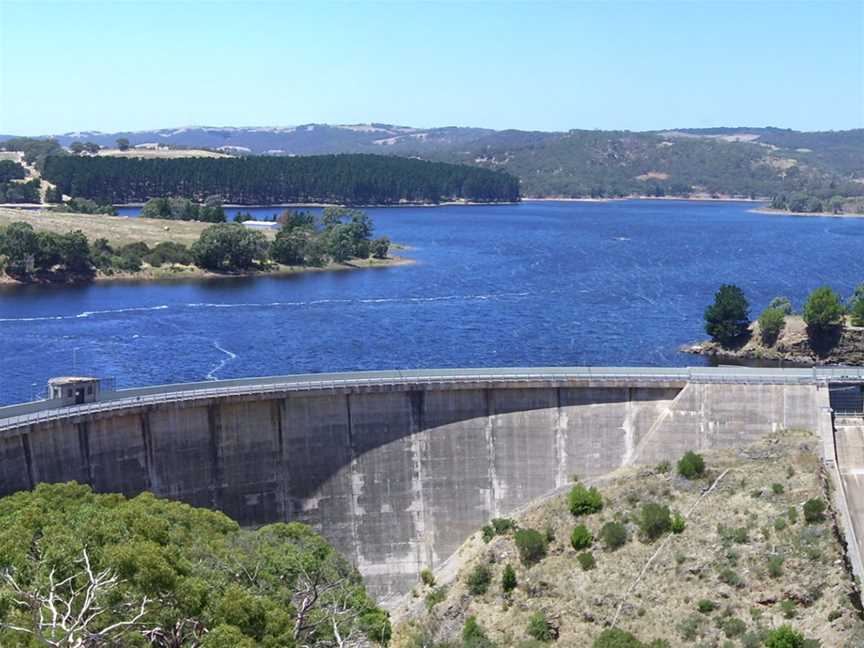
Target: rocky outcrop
column 793, row 345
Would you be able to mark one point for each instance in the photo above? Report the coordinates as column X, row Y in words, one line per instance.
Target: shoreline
column 689, row 198
column 782, row 212
column 193, row 273
column 449, row 203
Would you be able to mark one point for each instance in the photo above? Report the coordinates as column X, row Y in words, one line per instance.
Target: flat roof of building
column 69, row 380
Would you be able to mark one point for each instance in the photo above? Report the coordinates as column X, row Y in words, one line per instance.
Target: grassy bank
column 119, row 230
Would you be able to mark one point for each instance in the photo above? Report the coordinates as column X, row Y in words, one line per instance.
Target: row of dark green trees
column 302, row 240
column 801, row 201
column 342, row 179
column 727, row 320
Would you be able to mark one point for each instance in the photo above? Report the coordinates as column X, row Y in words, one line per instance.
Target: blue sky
column 68, row 66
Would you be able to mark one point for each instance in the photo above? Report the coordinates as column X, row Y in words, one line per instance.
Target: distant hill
column 734, row 161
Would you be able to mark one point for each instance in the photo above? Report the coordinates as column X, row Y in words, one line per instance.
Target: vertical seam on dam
column 214, row 420
column 560, row 441
column 152, row 481
column 84, row 449
column 281, row 493
column 417, row 401
column 490, row 447
column 352, row 467
column 28, row 459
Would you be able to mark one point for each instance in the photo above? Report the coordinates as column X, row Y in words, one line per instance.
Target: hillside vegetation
column 724, row 557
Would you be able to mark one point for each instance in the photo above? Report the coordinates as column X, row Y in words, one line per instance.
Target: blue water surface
column 551, row 283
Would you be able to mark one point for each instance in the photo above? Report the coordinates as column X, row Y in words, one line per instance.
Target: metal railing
column 36, row 412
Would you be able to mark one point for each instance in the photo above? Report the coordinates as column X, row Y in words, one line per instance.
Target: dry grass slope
column 117, row 229
column 742, row 550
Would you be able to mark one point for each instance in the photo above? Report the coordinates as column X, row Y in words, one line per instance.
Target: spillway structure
column 397, row 469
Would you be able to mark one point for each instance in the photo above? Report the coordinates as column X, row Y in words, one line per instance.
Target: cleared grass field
column 162, row 153
column 117, row 229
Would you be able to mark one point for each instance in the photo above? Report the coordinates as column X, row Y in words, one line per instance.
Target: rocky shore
column 793, row 345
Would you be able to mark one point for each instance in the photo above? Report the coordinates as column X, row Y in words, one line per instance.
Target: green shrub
column 793, row 514
column 550, row 534
column 539, row 628
column 691, row 465
column 814, row 510
column 771, row 322
column 662, row 467
column 427, row 577
column 738, row 535
column 779, row 524
column 508, row 579
column 733, row 627
column 503, row 525
column 473, row 635
column 784, row 637
column 654, row 520
column 678, row 523
column 479, row 579
column 616, row 638
column 689, row 627
column 498, row 526
column 788, row 608
column 435, row 597
column 730, row 577
column 751, row 639
column 775, row 566
column 777, row 489
column 706, row 606
column 584, row 501
column 613, row 535
column 531, row 545
column 586, row 560
column 581, row 537
column 168, row 252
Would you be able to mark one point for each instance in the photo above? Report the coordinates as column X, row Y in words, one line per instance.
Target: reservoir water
column 549, row 283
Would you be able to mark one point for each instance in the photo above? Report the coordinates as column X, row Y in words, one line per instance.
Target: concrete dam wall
column 397, row 474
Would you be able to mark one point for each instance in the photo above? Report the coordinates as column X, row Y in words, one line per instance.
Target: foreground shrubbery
column 185, row 576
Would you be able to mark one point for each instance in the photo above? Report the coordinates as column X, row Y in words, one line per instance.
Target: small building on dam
column 397, row 469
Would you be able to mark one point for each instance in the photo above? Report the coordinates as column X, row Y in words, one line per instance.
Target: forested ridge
column 737, row 161
column 346, row 179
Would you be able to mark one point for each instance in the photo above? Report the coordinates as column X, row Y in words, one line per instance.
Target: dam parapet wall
column 395, row 468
